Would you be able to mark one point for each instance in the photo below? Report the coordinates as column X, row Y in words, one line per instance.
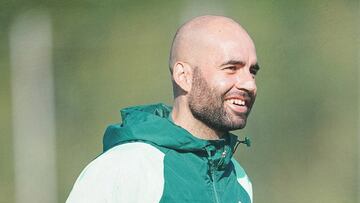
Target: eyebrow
column 237, row 62
column 233, row 62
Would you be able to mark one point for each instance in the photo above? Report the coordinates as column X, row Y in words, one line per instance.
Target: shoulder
column 120, row 158
column 129, row 152
column 120, row 171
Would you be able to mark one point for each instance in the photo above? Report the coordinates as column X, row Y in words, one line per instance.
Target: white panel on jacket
column 132, row 172
column 243, row 179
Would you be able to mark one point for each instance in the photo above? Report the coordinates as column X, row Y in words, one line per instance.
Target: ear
column 182, row 75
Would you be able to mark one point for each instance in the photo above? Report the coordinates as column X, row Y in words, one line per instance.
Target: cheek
column 224, row 83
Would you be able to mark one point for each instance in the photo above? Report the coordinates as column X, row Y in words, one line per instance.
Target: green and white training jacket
column 149, row 159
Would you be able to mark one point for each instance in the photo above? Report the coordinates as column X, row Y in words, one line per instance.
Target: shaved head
column 194, row 38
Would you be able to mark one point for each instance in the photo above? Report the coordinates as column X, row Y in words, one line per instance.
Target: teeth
column 237, row 102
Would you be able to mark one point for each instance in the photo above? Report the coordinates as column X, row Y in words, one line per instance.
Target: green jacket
column 158, row 161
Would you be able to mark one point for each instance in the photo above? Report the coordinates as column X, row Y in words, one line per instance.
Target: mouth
column 238, row 105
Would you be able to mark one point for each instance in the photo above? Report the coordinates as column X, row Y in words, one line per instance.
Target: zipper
column 213, row 184
column 212, row 175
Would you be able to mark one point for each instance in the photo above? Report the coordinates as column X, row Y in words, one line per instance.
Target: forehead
column 235, row 47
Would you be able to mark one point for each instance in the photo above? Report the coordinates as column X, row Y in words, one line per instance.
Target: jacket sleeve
column 130, row 172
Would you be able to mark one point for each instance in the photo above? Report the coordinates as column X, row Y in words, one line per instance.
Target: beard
column 207, row 105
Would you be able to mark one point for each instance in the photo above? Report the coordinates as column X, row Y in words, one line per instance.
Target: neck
column 183, row 117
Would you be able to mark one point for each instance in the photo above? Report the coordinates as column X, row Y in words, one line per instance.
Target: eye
column 230, row 69
column 253, row 71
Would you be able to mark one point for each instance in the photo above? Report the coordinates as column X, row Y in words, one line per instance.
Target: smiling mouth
column 238, row 105
column 238, row 102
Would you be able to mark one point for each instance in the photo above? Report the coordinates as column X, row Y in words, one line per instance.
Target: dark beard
column 207, row 106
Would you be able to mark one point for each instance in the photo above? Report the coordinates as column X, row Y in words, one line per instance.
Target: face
column 223, row 88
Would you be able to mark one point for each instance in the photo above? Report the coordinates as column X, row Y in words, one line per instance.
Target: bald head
column 201, row 35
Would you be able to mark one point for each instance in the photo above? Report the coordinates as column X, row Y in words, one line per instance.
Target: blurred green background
column 111, row 54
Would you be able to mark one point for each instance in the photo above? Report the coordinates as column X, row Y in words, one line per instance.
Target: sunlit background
column 67, row 67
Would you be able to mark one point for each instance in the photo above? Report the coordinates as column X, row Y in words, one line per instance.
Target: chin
column 240, row 126
column 236, row 125
column 239, row 121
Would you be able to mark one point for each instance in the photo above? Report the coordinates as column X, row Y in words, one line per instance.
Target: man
column 183, row 153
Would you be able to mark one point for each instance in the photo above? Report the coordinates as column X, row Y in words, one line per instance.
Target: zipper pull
column 223, row 154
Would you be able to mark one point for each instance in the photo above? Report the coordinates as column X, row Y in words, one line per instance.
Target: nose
column 246, row 81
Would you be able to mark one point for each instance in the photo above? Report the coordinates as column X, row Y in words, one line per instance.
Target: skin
column 212, row 61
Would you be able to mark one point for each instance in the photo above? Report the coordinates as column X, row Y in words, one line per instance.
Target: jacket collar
column 153, row 124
